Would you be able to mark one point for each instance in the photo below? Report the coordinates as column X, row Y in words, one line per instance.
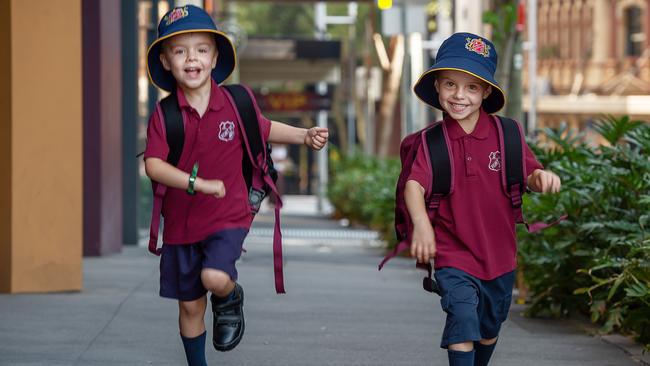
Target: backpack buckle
column 515, row 195
column 434, row 202
column 255, row 197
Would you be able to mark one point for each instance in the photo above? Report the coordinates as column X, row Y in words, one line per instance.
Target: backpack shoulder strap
column 252, row 134
column 174, row 127
column 441, row 186
column 515, row 179
column 253, row 137
column 246, row 110
column 174, row 130
column 439, row 158
column 513, row 158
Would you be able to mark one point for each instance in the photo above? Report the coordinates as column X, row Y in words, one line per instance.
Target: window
column 634, row 35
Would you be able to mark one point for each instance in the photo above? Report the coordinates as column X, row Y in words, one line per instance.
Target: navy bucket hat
column 186, row 19
column 468, row 53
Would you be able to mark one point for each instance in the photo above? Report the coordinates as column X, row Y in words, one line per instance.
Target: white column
column 532, row 65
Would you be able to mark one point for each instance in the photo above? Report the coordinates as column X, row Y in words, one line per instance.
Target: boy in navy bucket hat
column 471, row 235
column 205, row 198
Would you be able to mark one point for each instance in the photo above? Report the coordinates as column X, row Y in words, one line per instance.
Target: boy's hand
column 213, row 187
column 544, row 181
column 316, row 137
column 423, row 245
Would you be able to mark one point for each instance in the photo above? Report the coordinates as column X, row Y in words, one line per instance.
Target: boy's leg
column 219, row 274
column 191, row 317
column 459, row 299
column 459, row 358
column 483, row 351
column 495, row 298
column 192, row 326
column 180, row 278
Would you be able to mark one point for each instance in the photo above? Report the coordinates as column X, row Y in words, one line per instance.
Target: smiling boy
column 472, row 238
column 206, row 210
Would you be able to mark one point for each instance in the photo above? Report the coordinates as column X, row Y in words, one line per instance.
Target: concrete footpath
column 338, row 310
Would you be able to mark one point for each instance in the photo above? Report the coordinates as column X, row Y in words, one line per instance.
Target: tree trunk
column 390, row 93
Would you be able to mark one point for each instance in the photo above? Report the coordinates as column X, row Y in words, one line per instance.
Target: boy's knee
column 488, row 342
column 192, row 309
column 216, row 281
column 462, row 347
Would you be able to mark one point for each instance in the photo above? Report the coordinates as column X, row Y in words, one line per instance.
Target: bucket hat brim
column 163, row 79
column 425, row 89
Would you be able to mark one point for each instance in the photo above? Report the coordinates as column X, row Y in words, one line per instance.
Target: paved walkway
column 339, row 310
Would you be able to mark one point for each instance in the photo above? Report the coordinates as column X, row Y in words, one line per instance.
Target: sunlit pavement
column 338, row 310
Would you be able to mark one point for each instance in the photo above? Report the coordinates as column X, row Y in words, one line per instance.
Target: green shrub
column 362, row 189
column 598, row 261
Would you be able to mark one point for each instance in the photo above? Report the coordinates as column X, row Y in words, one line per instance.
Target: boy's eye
column 203, row 50
column 473, row 87
column 449, row 83
column 178, row 51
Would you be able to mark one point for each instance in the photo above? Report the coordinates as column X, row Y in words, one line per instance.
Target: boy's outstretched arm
column 423, row 244
column 315, row 137
column 167, row 174
column 544, row 181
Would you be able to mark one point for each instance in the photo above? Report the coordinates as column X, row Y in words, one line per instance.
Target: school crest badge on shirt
column 226, row 131
column 495, row 161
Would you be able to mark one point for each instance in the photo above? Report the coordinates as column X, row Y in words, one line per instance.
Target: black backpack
column 436, row 141
column 176, row 137
column 257, row 166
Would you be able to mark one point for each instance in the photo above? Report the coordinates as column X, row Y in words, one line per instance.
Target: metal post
column 323, row 162
column 351, row 113
column 322, row 116
column 405, row 93
column 532, row 67
column 130, row 174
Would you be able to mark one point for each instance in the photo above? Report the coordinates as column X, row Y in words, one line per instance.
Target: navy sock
column 483, row 353
column 195, row 350
column 459, row 358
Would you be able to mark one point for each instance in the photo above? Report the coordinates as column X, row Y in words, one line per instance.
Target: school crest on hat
column 477, row 45
column 175, row 14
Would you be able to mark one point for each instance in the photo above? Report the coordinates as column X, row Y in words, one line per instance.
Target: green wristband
column 190, row 186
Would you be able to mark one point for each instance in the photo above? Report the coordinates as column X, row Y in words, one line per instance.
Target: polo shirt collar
column 217, row 99
column 480, row 132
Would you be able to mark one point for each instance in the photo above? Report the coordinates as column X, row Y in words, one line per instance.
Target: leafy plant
column 598, row 261
column 362, row 189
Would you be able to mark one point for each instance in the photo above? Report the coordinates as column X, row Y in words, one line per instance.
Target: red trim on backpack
column 259, row 162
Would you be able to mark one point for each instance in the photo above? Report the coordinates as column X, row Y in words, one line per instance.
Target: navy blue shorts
column 181, row 265
column 475, row 308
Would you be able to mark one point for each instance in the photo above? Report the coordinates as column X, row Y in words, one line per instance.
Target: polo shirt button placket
column 469, row 171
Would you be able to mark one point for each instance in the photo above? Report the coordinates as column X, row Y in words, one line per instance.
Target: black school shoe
column 228, row 323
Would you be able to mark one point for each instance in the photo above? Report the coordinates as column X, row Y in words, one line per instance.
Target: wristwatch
column 190, row 186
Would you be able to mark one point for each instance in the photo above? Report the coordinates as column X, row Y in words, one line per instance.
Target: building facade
column 593, row 59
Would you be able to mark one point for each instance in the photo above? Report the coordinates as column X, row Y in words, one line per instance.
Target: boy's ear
column 164, row 61
column 487, row 91
column 215, row 58
column 435, row 85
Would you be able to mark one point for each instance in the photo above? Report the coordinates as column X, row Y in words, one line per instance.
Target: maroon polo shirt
column 215, row 142
column 475, row 225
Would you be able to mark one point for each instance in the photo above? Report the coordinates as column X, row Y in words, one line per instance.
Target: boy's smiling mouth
column 193, row 71
column 458, row 107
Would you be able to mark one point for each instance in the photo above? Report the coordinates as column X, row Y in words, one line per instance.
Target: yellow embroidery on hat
column 176, row 14
column 478, row 45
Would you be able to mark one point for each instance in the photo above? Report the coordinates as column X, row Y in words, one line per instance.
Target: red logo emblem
column 478, row 45
column 176, row 14
column 495, row 161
